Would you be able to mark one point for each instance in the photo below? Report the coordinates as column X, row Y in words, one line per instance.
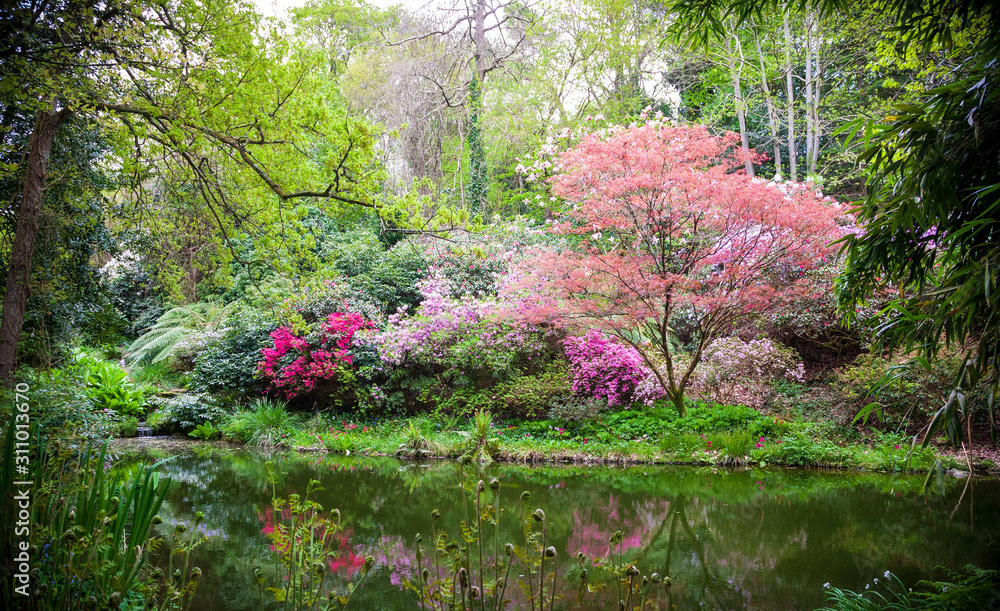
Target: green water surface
column 728, row 539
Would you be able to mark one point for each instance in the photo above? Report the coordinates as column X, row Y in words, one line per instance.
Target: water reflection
column 753, row 539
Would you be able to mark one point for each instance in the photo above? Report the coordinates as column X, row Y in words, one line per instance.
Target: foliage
column 295, row 366
column 312, row 299
column 133, row 293
column 264, row 423
column 972, row 590
column 228, row 365
column 304, row 541
column 929, row 219
column 474, row 264
column 807, row 319
column 109, row 387
column 184, row 412
column 206, row 431
column 906, row 397
column 464, row 342
column 128, row 427
column 706, row 417
column 387, row 277
column 65, row 403
column 174, row 326
column 575, row 409
column 667, row 224
column 67, row 302
column 525, row 395
column 481, row 444
column 415, row 443
column 93, row 522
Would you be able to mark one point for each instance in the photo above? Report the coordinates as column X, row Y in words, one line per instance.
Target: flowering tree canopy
column 671, row 226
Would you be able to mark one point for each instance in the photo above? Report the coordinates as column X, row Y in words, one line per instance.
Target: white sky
column 278, row 8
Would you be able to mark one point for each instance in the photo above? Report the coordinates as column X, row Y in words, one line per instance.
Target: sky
column 278, row 8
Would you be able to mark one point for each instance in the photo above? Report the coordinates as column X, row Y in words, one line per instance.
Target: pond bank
column 856, row 458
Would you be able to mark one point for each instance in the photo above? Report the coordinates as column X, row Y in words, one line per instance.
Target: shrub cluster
column 300, row 365
column 604, row 368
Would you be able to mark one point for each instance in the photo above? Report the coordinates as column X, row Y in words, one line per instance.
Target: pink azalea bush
column 295, row 365
column 604, row 367
column 464, row 336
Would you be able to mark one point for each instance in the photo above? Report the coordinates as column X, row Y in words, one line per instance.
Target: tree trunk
column 810, row 127
column 678, row 400
column 477, row 153
column 19, row 269
column 772, row 113
column 817, row 91
column 741, row 105
column 790, row 93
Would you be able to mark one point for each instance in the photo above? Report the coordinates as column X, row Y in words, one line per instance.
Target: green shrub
column 914, row 393
column 132, row 292
column 110, row 389
column 389, row 277
column 128, row 426
column 803, row 446
column 574, row 408
column 416, row 443
column 176, row 325
column 229, row 364
column 683, row 443
column 636, row 423
column 182, row 413
column 338, row 442
column 206, row 431
column 64, row 403
column 158, row 375
column 705, row 417
column 482, row 441
column 736, row 446
column 523, row 396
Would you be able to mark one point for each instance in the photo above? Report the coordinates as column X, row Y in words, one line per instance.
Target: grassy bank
column 710, row 434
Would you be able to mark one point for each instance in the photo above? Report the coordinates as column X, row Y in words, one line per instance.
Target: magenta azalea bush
column 298, row 365
column 604, row 367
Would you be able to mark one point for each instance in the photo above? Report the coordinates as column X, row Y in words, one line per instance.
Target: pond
column 728, row 539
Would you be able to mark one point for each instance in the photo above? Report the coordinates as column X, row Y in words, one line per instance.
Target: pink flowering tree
column 300, row 365
column 668, row 224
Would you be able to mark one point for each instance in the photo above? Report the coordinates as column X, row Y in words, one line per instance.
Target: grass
column 264, row 423
column 730, row 438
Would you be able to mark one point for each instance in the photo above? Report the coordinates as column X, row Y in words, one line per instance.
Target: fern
column 174, row 326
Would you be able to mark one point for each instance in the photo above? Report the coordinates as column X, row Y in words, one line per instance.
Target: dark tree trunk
column 19, row 269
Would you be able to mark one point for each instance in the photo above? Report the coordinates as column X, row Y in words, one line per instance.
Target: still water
column 728, row 539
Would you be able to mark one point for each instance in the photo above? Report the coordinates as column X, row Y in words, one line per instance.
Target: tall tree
column 671, row 228
column 189, row 85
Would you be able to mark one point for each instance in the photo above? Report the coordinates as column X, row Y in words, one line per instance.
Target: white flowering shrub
column 735, row 371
